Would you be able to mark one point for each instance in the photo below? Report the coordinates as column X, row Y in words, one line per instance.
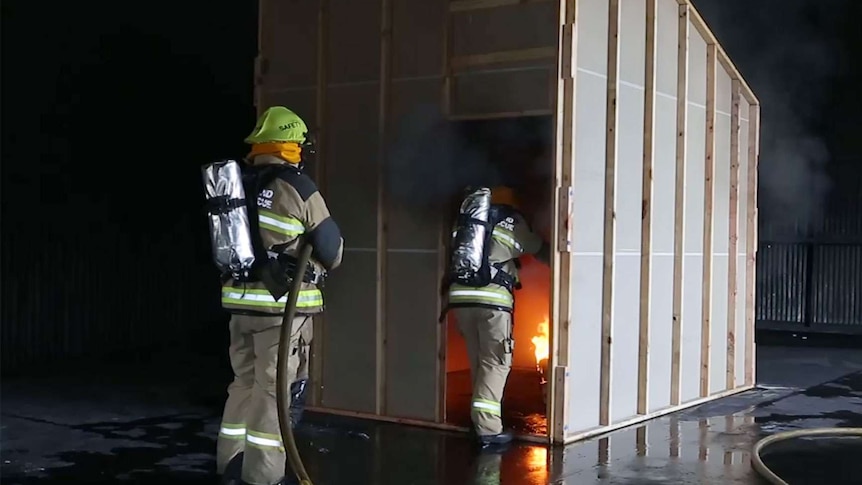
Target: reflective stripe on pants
column 251, row 398
column 486, row 333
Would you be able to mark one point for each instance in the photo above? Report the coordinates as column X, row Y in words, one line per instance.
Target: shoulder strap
column 254, row 180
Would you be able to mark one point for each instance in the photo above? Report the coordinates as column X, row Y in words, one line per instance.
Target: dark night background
column 110, row 108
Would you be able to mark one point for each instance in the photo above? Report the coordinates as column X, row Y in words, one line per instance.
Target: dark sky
column 113, row 106
column 801, row 57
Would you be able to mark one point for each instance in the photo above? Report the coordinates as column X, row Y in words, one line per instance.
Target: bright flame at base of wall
column 541, row 342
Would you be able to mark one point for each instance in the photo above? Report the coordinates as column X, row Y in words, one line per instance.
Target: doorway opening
column 517, row 152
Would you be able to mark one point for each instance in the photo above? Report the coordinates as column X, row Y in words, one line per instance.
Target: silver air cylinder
column 469, row 239
column 228, row 218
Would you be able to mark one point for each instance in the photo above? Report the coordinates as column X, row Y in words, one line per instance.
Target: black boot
column 297, row 401
column 288, row 480
column 233, row 471
column 496, row 440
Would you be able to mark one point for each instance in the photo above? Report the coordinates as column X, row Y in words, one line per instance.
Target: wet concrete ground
column 156, row 422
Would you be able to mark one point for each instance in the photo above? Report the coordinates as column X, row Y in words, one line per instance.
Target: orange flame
column 541, row 341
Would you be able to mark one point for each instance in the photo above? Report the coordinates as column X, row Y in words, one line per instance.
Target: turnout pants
column 488, row 334
column 250, row 419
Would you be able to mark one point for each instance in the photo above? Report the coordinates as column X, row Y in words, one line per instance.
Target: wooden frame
column 382, row 221
column 751, row 238
column 733, row 235
column 715, row 56
column 646, row 204
column 319, row 337
column 679, row 198
column 610, row 210
column 563, row 96
column 708, row 221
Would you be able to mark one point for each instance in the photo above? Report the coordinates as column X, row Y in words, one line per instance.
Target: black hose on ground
column 294, row 461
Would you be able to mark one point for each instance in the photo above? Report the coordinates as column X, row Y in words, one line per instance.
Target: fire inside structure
column 515, row 152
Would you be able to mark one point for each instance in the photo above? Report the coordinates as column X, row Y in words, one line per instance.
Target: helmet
column 504, row 195
column 278, row 124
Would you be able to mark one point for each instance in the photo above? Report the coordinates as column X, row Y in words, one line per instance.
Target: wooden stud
column 316, row 364
column 751, row 238
column 443, row 231
column 646, row 205
column 610, row 212
column 708, row 222
column 733, row 237
column 467, row 5
column 382, row 254
column 517, row 55
column 561, row 264
column 702, row 435
column 679, row 202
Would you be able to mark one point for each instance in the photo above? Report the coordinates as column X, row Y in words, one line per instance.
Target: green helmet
column 278, row 124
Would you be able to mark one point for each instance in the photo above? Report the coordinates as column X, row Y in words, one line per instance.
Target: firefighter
column 289, row 209
column 484, row 314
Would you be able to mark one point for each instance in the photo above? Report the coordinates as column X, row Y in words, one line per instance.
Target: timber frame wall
column 357, row 71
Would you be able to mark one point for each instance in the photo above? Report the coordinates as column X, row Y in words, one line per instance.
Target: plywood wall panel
column 351, row 162
column 413, row 101
column 502, row 92
column 349, row 376
column 661, row 298
column 416, row 122
column 301, row 101
column 354, row 41
column 632, row 42
column 697, row 69
column 723, row 87
column 289, row 27
column 627, row 265
column 588, row 180
column 417, row 38
column 694, row 205
column 666, row 40
column 592, row 42
column 511, row 27
column 411, row 335
column 720, row 235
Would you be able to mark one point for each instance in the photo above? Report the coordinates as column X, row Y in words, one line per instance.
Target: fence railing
column 814, row 286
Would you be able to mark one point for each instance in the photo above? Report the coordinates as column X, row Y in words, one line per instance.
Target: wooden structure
column 655, row 171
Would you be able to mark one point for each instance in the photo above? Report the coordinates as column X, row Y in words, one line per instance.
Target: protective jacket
column 511, row 238
column 290, row 208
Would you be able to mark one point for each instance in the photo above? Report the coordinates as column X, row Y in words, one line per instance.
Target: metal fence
column 83, row 295
column 815, row 286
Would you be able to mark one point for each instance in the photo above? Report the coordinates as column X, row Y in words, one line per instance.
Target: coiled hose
column 294, row 461
column 765, row 472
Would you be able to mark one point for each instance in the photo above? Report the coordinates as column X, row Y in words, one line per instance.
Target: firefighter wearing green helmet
column 289, row 209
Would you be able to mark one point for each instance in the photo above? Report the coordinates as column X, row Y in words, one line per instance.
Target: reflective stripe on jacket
column 510, row 239
column 289, row 207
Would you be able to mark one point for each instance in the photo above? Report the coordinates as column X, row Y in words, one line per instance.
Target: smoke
column 786, row 54
column 430, row 161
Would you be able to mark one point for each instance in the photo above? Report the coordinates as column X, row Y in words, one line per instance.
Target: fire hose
column 769, row 475
column 294, row 461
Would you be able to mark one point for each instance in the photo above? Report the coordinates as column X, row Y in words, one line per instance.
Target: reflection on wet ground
column 82, row 430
